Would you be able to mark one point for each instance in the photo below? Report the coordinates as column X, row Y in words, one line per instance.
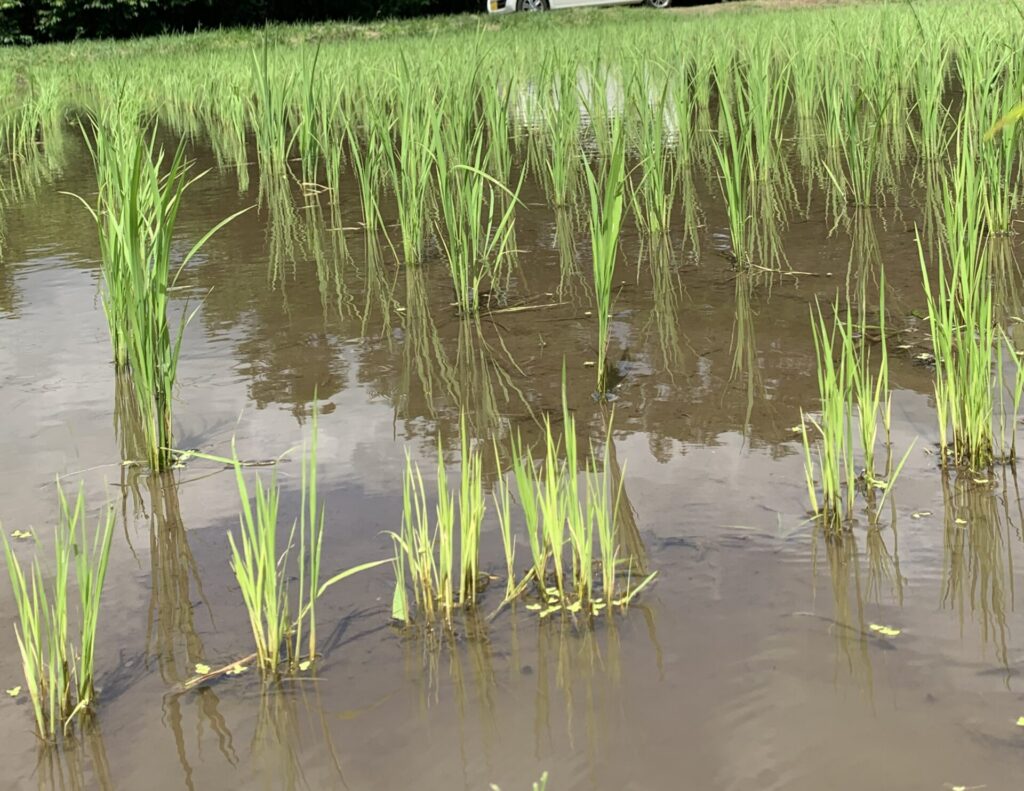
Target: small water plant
column 58, row 653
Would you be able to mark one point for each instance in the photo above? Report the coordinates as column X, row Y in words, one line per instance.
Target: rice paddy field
column 603, row 400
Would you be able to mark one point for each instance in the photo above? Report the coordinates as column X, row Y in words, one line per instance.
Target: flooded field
column 768, row 651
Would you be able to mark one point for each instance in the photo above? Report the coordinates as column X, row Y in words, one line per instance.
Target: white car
column 510, row 6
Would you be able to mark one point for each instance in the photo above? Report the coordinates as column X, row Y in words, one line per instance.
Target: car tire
column 531, row 5
column 658, row 3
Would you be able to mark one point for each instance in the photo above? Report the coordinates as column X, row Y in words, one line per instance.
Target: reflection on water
column 977, row 566
column 172, row 639
column 290, row 720
column 744, row 344
column 665, row 310
column 849, row 627
column 79, row 764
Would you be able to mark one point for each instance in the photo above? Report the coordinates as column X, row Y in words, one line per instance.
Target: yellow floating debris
column 202, row 669
column 885, row 631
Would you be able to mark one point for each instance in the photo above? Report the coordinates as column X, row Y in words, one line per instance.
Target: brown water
column 750, row 663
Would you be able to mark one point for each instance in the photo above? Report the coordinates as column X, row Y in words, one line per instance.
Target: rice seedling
column 653, row 198
column 853, row 123
column 961, row 322
column 410, row 166
column 58, row 659
column 369, row 158
column 135, row 215
column 734, row 152
column 847, row 378
column 477, row 216
column 427, row 547
column 556, row 152
column 471, row 516
column 280, row 621
column 835, row 463
column 268, row 114
column 607, row 202
column 929, row 87
column 309, row 125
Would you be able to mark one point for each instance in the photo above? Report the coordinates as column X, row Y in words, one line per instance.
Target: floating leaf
column 981, row 480
column 575, row 606
column 533, row 607
column 304, row 665
column 15, row 691
column 885, row 631
column 1020, row 722
column 202, row 669
column 21, row 534
column 237, row 669
column 548, row 611
column 960, row 521
column 920, row 514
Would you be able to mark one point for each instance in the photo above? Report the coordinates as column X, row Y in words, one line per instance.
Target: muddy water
column 750, row 664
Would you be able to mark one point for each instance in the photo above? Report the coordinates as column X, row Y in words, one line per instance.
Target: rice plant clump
column 962, row 323
column 567, row 509
column 58, row 653
column 854, row 396
column 282, row 620
column 140, row 195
